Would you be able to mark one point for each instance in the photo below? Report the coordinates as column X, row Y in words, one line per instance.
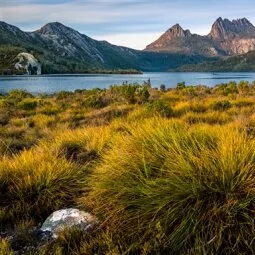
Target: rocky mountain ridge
column 226, row 38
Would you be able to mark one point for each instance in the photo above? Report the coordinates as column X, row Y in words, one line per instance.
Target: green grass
column 177, row 189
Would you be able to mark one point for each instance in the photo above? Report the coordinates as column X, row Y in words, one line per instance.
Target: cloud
column 133, row 40
column 123, row 21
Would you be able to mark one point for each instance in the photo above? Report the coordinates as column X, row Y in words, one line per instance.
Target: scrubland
column 165, row 171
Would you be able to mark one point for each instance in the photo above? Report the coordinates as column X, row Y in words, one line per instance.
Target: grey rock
column 65, row 219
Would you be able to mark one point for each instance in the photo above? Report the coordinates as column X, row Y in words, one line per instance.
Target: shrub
column 18, row 95
column 142, row 95
column 198, row 107
column 27, row 104
column 243, row 87
column 162, row 88
column 226, row 88
column 63, row 94
column 94, row 101
column 161, row 108
column 221, row 105
column 181, row 85
column 177, row 191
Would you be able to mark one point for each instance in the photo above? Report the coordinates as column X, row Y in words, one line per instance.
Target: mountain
column 61, row 49
column 236, row 37
column 69, row 43
column 178, row 40
column 226, row 29
column 225, row 39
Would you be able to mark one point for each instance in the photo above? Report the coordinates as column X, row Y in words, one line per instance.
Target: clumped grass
column 178, row 189
column 167, row 171
column 34, row 184
column 161, row 108
column 221, row 105
column 209, row 118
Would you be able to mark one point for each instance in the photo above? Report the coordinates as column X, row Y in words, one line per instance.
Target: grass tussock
column 35, row 184
column 178, row 189
column 167, row 171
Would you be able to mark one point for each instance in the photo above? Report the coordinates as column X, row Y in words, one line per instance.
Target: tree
column 162, row 88
column 181, row 85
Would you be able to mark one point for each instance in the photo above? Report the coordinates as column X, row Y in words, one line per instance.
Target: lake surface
column 54, row 83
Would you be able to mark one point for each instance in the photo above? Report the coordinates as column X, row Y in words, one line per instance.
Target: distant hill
column 240, row 63
column 226, row 38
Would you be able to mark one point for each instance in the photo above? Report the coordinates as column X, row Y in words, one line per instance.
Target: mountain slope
column 61, row 49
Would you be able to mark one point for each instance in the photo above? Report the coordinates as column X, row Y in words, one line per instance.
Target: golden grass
column 171, row 173
column 175, row 188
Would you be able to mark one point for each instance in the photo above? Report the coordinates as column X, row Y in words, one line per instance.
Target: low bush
column 27, row 104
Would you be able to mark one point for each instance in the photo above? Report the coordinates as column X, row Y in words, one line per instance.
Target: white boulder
column 28, row 62
column 66, row 219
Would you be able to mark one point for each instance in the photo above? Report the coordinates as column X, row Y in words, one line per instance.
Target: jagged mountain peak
column 224, row 28
column 177, row 31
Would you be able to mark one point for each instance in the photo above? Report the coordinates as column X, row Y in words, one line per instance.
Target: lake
column 54, row 83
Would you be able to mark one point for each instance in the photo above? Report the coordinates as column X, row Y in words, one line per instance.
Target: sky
column 130, row 23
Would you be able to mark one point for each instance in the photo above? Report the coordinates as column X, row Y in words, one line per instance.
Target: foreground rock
column 28, row 63
column 65, row 219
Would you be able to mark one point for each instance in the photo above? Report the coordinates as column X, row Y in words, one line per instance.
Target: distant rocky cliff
column 225, row 39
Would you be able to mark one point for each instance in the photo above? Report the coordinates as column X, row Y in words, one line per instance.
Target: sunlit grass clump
column 34, row 184
column 167, row 188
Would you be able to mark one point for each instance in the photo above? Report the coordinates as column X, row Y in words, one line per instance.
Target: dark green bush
column 221, row 105
column 27, row 104
column 18, row 95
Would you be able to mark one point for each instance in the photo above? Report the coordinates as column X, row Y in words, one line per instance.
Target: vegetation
column 166, row 171
column 240, row 63
column 8, row 54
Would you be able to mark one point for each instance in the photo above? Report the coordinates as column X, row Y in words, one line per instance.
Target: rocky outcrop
column 28, row 64
column 226, row 38
column 234, row 37
column 66, row 219
column 224, row 29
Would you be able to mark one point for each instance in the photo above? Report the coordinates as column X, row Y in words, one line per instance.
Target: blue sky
column 124, row 22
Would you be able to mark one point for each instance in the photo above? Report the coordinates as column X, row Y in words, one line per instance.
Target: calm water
column 54, row 83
